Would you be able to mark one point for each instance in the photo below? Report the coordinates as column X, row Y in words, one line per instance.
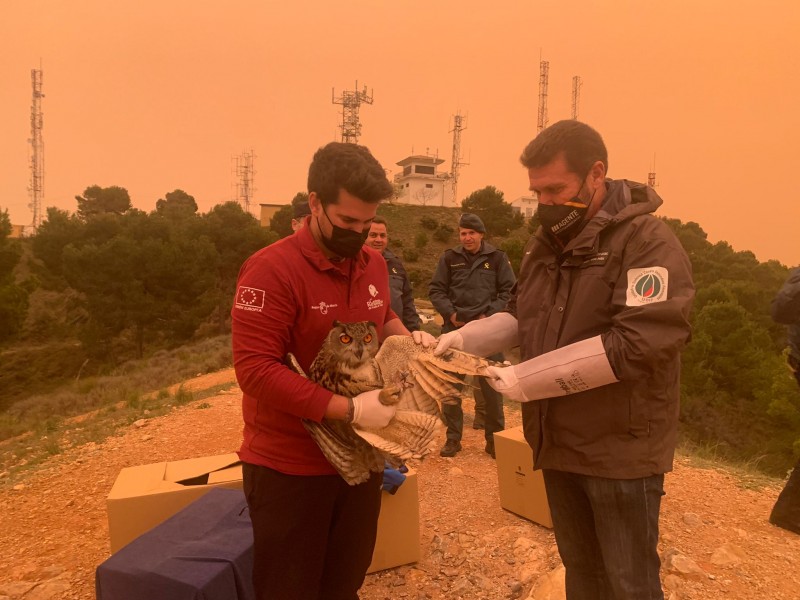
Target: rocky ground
column 716, row 541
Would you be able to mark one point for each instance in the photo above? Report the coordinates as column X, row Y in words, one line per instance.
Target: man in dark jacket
column 786, row 310
column 472, row 281
column 399, row 285
column 601, row 313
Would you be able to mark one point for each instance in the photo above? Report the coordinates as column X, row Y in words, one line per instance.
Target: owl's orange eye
column 345, row 339
column 368, row 338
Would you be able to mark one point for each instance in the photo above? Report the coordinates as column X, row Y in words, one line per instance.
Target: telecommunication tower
column 576, row 95
column 36, row 186
column 459, row 125
column 544, row 71
column 651, row 176
column 351, row 101
column 243, row 168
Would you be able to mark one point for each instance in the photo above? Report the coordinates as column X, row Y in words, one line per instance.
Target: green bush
column 443, row 233
column 429, row 223
column 410, row 255
column 421, row 240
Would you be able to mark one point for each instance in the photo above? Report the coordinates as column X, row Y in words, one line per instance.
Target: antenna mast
column 244, row 179
column 651, row 176
column 544, row 71
column 576, row 95
column 351, row 101
column 36, row 186
column 459, row 125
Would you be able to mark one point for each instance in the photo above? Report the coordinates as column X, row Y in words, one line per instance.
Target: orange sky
column 156, row 95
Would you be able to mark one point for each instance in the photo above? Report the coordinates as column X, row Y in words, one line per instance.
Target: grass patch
column 91, row 410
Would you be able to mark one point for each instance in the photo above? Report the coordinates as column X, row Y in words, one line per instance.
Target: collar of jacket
column 388, row 254
column 314, row 255
column 624, row 200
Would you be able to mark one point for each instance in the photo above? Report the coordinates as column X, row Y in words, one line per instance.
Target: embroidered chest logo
column 248, row 298
column 323, row 307
column 646, row 286
column 486, row 265
column 374, row 302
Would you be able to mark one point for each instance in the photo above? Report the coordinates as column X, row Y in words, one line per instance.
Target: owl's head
column 353, row 343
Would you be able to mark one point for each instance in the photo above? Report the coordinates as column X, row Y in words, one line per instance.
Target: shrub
column 421, row 240
column 410, row 255
column 429, row 223
column 443, row 233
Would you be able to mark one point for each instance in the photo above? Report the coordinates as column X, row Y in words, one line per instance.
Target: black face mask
column 564, row 221
column 343, row 242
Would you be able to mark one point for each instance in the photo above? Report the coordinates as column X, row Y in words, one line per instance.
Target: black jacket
column 786, row 310
column 402, row 297
column 471, row 286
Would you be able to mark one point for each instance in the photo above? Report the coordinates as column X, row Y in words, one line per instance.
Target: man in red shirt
column 313, row 533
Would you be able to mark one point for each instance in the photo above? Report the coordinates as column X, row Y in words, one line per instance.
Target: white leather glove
column 483, row 336
column 369, row 412
column 567, row 370
column 504, row 380
column 452, row 339
column 425, row 339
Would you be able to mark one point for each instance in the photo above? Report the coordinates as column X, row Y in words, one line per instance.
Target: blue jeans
column 607, row 534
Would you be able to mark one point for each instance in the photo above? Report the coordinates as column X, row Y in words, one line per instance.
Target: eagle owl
column 350, row 362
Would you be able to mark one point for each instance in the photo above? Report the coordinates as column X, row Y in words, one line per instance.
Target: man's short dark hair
column 582, row 147
column 351, row 167
column 380, row 220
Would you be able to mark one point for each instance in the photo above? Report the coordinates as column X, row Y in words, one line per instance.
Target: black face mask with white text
column 564, row 221
column 343, row 242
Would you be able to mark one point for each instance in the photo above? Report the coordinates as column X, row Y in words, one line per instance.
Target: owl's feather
column 349, row 363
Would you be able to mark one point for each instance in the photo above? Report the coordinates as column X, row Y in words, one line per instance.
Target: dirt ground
column 715, row 539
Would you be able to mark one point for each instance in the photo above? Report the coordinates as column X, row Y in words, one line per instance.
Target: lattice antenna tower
column 544, row 73
column 457, row 161
column 576, row 95
column 651, row 176
column 36, row 185
column 245, row 173
column 351, row 102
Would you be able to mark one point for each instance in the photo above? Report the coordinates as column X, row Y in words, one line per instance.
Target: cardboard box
column 145, row 496
column 521, row 488
column 398, row 527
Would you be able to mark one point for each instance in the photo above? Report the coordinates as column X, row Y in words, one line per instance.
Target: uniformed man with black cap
column 472, row 281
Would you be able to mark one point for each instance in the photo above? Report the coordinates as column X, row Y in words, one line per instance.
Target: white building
column 526, row 205
column 421, row 184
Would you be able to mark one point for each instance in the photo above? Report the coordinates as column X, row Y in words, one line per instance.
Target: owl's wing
column 353, row 458
column 426, row 381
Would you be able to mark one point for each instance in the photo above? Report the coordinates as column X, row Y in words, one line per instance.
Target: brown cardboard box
column 145, row 496
column 521, row 488
column 398, row 527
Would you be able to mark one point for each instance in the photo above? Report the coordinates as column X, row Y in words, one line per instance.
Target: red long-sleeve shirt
column 287, row 297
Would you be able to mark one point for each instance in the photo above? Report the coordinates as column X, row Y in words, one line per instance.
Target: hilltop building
column 421, row 184
column 525, row 205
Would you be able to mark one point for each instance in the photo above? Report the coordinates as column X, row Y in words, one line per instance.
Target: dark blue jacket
column 400, row 288
column 471, row 286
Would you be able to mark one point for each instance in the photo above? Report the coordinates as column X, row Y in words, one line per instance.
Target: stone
column 49, row 590
column 692, row 520
column 728, row 554
column 16, row 589
column 550, row 586
column 672, row 583
column 140, row 423
column 675, row 562
column 455, row 472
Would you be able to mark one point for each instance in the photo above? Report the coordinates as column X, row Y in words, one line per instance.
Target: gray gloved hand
column 369, row 412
